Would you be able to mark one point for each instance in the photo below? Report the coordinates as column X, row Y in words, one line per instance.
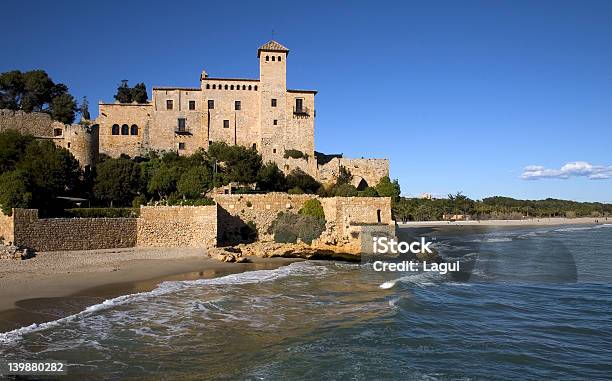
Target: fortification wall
column 351, row 211
column 177, row 226
column 366, row 172
column 6, row 228
column 237, row 210
column 82, row 142
column 54, row 234
column 38, row 124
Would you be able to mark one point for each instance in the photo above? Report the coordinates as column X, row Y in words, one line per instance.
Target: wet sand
column 57, row 284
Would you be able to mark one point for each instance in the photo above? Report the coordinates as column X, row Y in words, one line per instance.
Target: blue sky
column 459, row 95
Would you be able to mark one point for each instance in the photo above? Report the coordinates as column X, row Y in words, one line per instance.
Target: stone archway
column 360, row 183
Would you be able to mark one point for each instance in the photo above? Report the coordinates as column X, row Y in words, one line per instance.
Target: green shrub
column 345, row 190
column 295, row 190
column 190, row 202
column 368, row 192
column 102, row 213
column 312, row 208
column 288, row 227
column 138, row 201
column 300, row 179
column 295, row 154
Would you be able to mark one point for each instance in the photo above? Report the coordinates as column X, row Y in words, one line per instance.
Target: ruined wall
column 349, row 211
column 6, row 228
column 36, row 123
column 177, row 226
column 236, row 210
column 54, row 234
column 366, row 172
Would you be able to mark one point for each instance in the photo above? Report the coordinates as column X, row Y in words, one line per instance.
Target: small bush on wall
column 289, row 227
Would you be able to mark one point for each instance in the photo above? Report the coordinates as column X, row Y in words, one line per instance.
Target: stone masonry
column 259, row 113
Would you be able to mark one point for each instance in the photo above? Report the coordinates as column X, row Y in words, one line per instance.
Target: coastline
column 56, row 284
column 501, row 223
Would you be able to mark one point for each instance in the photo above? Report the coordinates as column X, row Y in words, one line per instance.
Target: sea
column 528, row 304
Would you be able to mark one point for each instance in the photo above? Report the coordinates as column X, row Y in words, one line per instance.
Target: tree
column 63, row 107
column 139, row 93
column 368, row 192
column 386, row 188
column 117, row 181
column 14, row 192
column 345, row 190
column 52, row 171
column 35, row 91
column 270, row 178
column 300, row 179
column 124, row 93
column 194, row 182
column 84, row 109
column 164, row 180
column 12, row 148
column 313, row 208
column 344, row 176
column 127, row 94
column 239, row 164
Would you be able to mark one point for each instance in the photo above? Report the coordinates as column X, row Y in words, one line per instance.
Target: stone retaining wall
column 177, row 226
column 6, row 228
column 55, row 234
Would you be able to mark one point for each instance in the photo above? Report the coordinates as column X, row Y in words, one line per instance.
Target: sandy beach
column 501, row 223
column 55, row 284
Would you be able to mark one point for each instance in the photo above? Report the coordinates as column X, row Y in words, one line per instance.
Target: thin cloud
column 575, row 169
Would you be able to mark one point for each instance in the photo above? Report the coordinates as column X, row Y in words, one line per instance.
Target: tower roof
column 272, row 46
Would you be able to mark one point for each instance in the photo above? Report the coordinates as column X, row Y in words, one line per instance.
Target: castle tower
column 273, row 99
column 273, row 66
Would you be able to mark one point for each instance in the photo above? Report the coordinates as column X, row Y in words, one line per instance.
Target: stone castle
column 260, row 113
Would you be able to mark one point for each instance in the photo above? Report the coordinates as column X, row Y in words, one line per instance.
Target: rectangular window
column 226, row 123
column 273, row 102
column 299, row 104
column 275, row 122
column 182, row 146
column 237, row 105
column 192, row 105
column 181, row 125
column 211, row 104
column 169, row 104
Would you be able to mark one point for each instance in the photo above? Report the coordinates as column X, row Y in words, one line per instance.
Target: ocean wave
column 255, row 276
column 493, row 240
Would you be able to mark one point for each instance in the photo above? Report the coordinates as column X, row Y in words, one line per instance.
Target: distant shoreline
column 501, row 223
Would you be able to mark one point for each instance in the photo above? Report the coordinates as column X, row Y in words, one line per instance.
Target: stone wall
column 82, row 141
column 6, row 228
column 54, row 234
column 354, row 211
column 366, row 172
column 177, row 226
column 128, row 114
column 237, row 210
column 36, row 123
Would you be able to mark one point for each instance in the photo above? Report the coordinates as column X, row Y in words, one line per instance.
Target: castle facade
column 260, row 113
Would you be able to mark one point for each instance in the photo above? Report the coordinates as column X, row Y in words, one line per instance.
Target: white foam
column 164, row 288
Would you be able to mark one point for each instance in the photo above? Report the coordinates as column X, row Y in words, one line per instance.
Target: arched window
column 208, row 85
column 255, row 87
column 125, row 129
column 279, row 58
column 232, row 87
column 225, row 87
column 273, row 58
column 115, row 130
column 249, row 87
column 243, row 87
column 214, row 87
column 134, row 130
column 267, row 58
